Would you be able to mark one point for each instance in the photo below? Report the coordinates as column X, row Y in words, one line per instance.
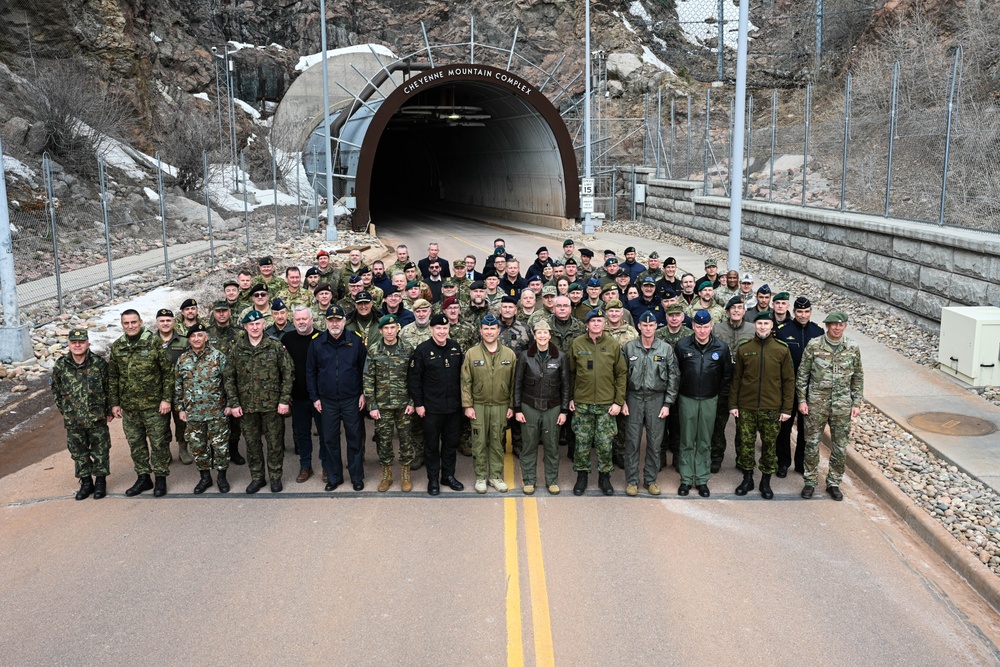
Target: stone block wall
column 915, row 268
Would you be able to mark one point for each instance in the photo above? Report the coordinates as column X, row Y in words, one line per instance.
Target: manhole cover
column 950, row 423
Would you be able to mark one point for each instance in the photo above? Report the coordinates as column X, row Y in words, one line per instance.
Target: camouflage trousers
column 821, row 414
column 209, row 443
column 751, row 422
column 258, row 426
column 148, row 436
column 488, row 440
column 90, row 449
column 394, row 419
column 594, row 429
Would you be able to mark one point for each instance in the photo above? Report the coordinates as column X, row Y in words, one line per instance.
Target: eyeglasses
column 256, row 294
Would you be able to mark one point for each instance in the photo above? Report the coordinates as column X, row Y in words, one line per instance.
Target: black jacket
column 334, row 366
column 435, row 377
column 796, row 336
column 542, row 385
column 705, row 371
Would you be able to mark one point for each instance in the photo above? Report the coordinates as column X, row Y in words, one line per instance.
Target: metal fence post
column 246, row 208
column 847, row 137
column 721, row 73
column 208, row 209
column 959, row 55
column 107, row 227
column 819, row 38
column 659, row 128
column 51, row 205
column 892, row 135
column 298, row 193
column 614, row 193
column 774, row 129
column 749, row 135
column 673, row 138
column 645, row 130
column 805, row 141
column 708, row 136
column 163, row 217
column 731, row 148
column 274, row 177
column 687, row 170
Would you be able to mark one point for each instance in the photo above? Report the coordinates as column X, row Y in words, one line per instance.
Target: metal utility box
column 640, row 193
column 969, row 347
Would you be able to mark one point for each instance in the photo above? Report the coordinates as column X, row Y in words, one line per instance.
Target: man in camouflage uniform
column 653, row 270
column 205, row 393
column 388, row 400
column 616, row 327
column 732, row 331
column 141, row 390
column 231, row 290
column 598, row 371
column 268, row 277
column 830, row 386
column 355, row 261
column 223, row 335
column 294, row 294
column 261, row 303
column 367, row 285
column 402, row 259
column 460, row 280
column 328, row 273
column 264, row 377
column 419, row 330
column 189, row 316
column 704, row 299
column 761, row 397
column 245, row 281
column 280, row 326
column 364, row 321
column 324, row 299
column 80, row 390
column 478, row 306
column 173, row 344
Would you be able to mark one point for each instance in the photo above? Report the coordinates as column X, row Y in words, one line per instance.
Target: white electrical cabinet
column 969, row 347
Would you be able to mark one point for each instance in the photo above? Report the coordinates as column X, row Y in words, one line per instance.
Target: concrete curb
column 982, row 580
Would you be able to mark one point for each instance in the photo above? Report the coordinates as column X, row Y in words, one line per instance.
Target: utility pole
column 739, row 128
column 15, row 338
column 588, row 222
column 331, row 225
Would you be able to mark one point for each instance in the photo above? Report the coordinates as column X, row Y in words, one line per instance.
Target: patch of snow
column 151, row 194
column 13, row 229
column 275, row 46
column 17, row 168
column 637, row 10
column 628, row 26
column 150, row 162
column 239, row 46
column 221, row 191
column 698, row 22
column 253, row 113
column 156, row 38
column 305, row 62
column 146, row 304
column 116, row 156
column 650, row 57
column 201, row 96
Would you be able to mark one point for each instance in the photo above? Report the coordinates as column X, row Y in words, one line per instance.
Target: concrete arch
column 519, row 163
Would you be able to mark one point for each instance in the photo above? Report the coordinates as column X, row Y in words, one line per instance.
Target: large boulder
column 15, row 130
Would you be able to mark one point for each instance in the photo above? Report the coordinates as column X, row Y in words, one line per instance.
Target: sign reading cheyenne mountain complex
column 442, row 74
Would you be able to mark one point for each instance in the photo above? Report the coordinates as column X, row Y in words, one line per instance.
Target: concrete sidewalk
column 897, row 386
column 36, row 291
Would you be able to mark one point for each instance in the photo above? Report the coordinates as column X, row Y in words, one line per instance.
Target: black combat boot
column 604, row 483
column 222, row 482
column 765, row 487
column 143, row 483
column 205, row 482
column 747, row 485
column 86, row 488
column 234, row 456
column 160, row 487
column 581, row 483
column 100, row 487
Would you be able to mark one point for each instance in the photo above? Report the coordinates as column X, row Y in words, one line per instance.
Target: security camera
column 215, row 50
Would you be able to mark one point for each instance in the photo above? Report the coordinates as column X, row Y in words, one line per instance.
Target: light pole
column 739, row 127
column 331, row 225
column 588, row 223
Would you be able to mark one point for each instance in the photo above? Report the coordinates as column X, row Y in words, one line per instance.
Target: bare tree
column 79, row 113
column 192, row 135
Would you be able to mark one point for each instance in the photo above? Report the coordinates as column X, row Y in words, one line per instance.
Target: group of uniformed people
column 449, row 359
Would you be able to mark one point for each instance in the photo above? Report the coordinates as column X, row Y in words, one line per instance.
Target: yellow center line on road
column 540, row 618
column 474, row 245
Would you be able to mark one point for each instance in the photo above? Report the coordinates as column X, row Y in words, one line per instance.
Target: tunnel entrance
column 463, row 138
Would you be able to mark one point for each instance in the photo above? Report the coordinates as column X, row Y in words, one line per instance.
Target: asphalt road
column 367, row 578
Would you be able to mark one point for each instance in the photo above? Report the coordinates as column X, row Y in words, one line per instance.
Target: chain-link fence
column 77, row 249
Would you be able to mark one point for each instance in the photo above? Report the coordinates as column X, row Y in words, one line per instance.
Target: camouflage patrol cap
column 448, row 282
column 322, row 287
column 458, row 263
column 762, row 315
column 387, row 319
column 614, row 303
column 710, row 262
column 335, row 312
column 265, row 260
column 541, row 324
column 594, row 312
column 200, row 328
column 836, row 317
column 230, row 283
column 79, row 334
column 549, row 290
column 363, row 297
column 252, row 316
column 278, row 304
column 222, row 305
column 673, row 309
column 421, row 303
column 412, row 284
column 164, row 312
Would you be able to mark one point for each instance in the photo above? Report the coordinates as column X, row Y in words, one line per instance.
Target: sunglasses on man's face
column 256, row 294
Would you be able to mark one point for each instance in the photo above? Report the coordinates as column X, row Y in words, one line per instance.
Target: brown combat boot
column 386, row 479
column 404, row 475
